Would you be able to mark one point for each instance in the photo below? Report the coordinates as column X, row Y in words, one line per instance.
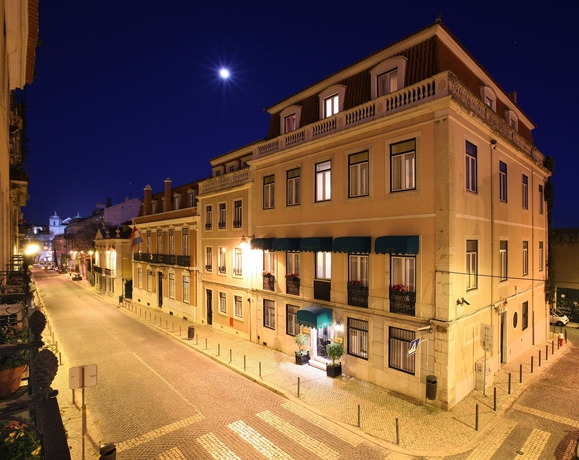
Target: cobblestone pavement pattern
column 157, row 400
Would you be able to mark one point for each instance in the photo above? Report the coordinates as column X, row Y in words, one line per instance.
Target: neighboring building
column 57, row 225
column 404, row 198
column 120, row 213
column 165, row 262
column 111, row 261
column 18, row 44
column 565, row 247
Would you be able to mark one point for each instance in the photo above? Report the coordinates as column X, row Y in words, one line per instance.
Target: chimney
column 109, row 202
column 513, row 96
column 148, row 194
column 168, row 204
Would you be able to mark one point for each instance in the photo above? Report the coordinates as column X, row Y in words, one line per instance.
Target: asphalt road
column 156, row 398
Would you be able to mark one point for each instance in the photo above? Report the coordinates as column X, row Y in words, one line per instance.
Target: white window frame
column 237, row 214
column 292, row 263
column 294, row 111
column 209, row 258
column 159, row 241
column 185, row 241
column 489, row 97
column 323, row 171
column 269, row 192
column 269, row 314
column 403, row 272
column 222, row 302
column 208, row 217
column 291, row 319
column 359, row 174
column 471, row 264
column 186, row 288
column 358, row 268
column 191, row 198
column 331, row 105
column 237, row 262
column 171, row 241
column 222, row 267
column 338, row 91
column 525, row 258
column 471, row 167
column 403, row 165
column 140, row 277
column 397, row 64
column 512, row 119
column 222, row 216
column 293, row 178
column 269, row 262
column 323, row 265
column 176, row 200
column 503, row 260
column 238, row 306
column 149, row 280
column 503, row 182
column 525, row 191
column 171, row 285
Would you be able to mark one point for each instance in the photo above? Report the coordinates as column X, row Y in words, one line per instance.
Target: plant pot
column 334, row 371
column 10, row 380
column 302, row 359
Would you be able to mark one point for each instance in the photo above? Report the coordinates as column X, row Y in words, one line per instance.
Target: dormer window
column 290, row 119
column 191, row 198
column 176, row 200
column 489, row 97
column 512, row 119
column 332, row 101
column 388, row 76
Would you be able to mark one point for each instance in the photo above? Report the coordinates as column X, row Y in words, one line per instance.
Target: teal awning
column 261, row 243
column 286, row 244
column 396, row 245
column 353, row 244
column 313, row 316
column 316, row 244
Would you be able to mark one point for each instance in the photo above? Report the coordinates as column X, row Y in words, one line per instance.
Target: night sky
column 128, row 92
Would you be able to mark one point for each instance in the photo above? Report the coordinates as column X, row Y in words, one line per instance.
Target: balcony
column 226, row 181
column 222, row 270
column 357, row 295
column 237, row 224
column 268, row 282
column 292, row 285
column 402, row 302
column 222, row 225
column 183, row 261
column 208, row 268
column 322, row 290
column 208, row 226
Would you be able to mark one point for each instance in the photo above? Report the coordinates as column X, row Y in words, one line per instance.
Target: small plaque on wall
column 339, row 339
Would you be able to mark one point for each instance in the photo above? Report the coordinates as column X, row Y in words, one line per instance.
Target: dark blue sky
column 128, row 93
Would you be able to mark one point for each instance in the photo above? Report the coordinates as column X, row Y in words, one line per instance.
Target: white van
column 558, row 318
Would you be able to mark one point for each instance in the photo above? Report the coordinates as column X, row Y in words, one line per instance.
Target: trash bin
column 431, row 384
column 191, row 332
column 108, row 451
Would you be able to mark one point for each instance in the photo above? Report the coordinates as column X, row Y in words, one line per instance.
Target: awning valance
column 286, row 244
column 314, row 244
column 396, row 245
column 353, row 244
column 261, row 243
column 313, row 316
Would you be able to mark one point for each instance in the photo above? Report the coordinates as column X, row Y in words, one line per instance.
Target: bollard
column 358, row 415
column 60, row 358
column 165, row 324
column 218, row 349
column 298, row 387
column 179, row 331
column 520, row 373
column 539, row 358
column 260, row 368
column 476, row 419
column 553, row 347
column 546, row 352
column 495, row 398
column 230, row 355
column 108, row 451
column 206, row 343
column 173, row 328
column 509, row 383
column 397, row 432
column 244, row 364
column 532, row 362
column 565, row 335
column 197, row 339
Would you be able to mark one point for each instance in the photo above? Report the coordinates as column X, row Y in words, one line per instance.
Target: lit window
column 222, row 303
column 331, row 105
column 324, row 265
column 269, row 262
column 358, row 270
column 237, row 214
column 471, row 167
column 398, row 344
column 289, row 123
column 359, row 174
column 222, row 257
column 238, row 310
column 208, row 259
column 502, row 182
column 269, row 192
column 269, row 314
column 237, row 262
column 186, row 289
column 324, row 181
column 222, row 216
column 472, row 263
column 388, row 76
column 292, row 326
column 403, row 273
column 185, row 242
column 525, row 257
column 525, row 192
column 403, row 158
column 149, row 280
column 503, row 260
column 358, row 338
column 293, row 187
column 171, row 285
column 140, row 277
column 191, row 198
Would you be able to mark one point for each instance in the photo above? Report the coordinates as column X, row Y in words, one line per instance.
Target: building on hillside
column 565, row 247
column 225, row 206
column 20, row 20
column 165, row 260
column 399, row 199
column 109, row 266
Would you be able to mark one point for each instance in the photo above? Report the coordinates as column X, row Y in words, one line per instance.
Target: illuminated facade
column 403, row 199
column 165, row 262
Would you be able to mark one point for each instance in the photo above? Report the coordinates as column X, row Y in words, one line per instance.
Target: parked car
column 76, row 277
column 558, row 318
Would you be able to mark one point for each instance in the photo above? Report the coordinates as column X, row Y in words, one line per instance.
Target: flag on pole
column 135, row 237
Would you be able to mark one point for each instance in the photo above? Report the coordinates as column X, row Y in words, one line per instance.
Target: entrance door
column 323, row 339
column 160, row 288
column 209, row 295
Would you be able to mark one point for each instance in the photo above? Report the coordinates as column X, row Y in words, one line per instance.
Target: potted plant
column 12, row 366
column 335, row 352
column 19, row 440
column 302, row 356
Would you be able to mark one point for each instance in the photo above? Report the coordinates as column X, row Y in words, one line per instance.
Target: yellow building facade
column 397, row 207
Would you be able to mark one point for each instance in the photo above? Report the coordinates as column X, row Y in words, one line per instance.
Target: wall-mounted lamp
column 339, row 327
column 494, row 143
column 244, row 239
column 462, row 301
